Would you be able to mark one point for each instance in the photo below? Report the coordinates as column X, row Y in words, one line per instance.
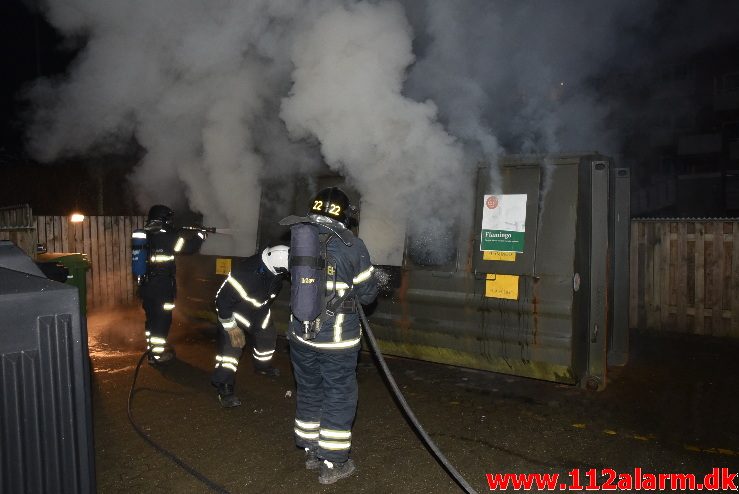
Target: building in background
column 682, row 143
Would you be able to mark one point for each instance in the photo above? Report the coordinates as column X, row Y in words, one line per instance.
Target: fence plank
column 700, row 279
column 96, row 266
column 717, row 282
column 656, row 234
column 86, row 249
column 109, row 267
column 682, row 301
column 673, row 275
column 64, row 229
column 634, row 276
column 58, row 234
column 114, row 268
column 664, row 274
column 40, row 232
column 649, row 291
column 44, row 227
column 642, row 256
column 49, row 233
column 119, row 253
column 75, row 237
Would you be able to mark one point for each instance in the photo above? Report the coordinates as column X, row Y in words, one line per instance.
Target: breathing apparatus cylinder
column 139, row 254
column 307, row 277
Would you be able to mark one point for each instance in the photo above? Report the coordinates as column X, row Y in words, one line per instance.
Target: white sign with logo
column 503, row 223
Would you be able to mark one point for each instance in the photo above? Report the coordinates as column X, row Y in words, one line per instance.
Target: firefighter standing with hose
column 153, row 264
column 243, row 303
column 324, row 344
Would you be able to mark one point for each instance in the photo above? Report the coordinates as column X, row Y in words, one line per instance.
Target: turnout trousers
column 326, row 400
column 262, row 342
column 157, row 299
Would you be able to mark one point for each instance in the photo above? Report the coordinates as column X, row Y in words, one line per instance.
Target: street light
column 77, row 218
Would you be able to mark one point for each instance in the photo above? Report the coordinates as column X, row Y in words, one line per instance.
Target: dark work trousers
column 326, row 400
column 262, row 340
column 155, row 293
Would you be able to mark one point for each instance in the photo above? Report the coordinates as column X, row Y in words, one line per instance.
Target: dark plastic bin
column 77, row 264
column 46, row 441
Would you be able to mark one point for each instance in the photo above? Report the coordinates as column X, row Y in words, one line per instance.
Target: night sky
column 30, row 49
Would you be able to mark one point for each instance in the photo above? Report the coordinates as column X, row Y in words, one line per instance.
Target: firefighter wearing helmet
column 153, row 264
column 324, row 351
column 243, row 304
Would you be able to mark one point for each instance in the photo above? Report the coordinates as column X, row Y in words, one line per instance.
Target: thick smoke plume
column 192, row 83
column 348, row 79
column 402, row 98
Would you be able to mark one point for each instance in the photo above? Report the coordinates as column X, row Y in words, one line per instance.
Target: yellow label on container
column 223, row 266
column 501, row 286
column 496, row 255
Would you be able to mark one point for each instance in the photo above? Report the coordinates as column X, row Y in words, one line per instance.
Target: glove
column 237, row 337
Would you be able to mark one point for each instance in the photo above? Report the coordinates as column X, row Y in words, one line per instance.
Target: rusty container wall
column 555, row 329
column 197, row 284
column 590, row 301
column 198, row 279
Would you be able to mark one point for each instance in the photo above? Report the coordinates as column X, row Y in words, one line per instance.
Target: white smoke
column 348, row 78
column 190, row 81
column 224, row 96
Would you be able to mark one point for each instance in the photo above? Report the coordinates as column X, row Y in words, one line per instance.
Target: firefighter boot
column 226, row 396
column 167, row 355
column 267, row 371
column 311, row 459
column 331, row 472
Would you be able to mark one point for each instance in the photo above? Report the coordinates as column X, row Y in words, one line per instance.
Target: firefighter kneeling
column 330, row 271
column 243, row 304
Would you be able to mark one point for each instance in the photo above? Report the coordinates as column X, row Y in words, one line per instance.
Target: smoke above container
column 347, row 94
column 404, row 99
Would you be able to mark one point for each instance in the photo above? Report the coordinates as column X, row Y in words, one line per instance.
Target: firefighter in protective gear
column 325, row 364
column 157, row 288
column 243, row 303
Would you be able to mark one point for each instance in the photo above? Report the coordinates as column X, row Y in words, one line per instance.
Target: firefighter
column 243, row 304
column 159, row 241
column 325, row 362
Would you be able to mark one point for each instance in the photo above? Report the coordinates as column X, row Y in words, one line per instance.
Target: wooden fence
column 107, row 242
column 684, row 276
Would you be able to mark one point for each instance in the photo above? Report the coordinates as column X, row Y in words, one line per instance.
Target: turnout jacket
column 348, row 269
column 247, row 294
column 163, row 242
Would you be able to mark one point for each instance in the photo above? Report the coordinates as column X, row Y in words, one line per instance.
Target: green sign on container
column 503, row 223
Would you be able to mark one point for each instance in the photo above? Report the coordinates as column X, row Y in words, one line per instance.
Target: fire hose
column 428, row 442
column 177, row 460
column 407, row 409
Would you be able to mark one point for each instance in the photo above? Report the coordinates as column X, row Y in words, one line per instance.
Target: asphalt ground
column 674, row 408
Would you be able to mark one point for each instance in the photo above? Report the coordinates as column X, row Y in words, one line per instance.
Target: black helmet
column 333, row 203
column 160, row 212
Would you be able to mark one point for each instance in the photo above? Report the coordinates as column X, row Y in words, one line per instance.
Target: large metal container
column 555, row 310
column 45, row 411
column 540, row 313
